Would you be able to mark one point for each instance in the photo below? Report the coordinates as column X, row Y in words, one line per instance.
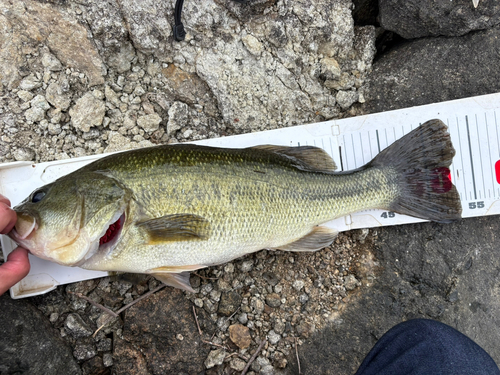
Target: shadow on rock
column 443, row 272
column 29, row 344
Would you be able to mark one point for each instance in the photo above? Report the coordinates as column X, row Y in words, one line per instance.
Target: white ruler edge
column 474, row 125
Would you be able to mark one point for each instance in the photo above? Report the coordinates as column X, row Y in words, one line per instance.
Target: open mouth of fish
column 26, row 228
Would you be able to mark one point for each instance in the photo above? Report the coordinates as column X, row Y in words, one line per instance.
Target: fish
column 169, row 210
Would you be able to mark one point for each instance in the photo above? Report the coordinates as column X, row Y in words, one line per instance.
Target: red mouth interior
column 112, row 231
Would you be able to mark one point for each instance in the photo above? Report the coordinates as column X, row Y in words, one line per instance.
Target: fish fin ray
column 319, row 238
column 176, row 269
column 420, row 161
column 176, row 280
column 310, row 157
column 177, row 227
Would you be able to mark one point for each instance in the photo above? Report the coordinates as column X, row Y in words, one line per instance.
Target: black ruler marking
column 378, row 141
column 461, row 158
column 480, row 159
column 471, row 160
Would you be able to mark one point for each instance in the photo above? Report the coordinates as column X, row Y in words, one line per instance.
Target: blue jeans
column 421, row 346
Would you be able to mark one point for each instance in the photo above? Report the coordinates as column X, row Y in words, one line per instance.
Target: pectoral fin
column 317, row 239
column 177, row 280
column 177, row 227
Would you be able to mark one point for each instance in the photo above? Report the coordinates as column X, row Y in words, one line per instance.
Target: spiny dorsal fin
column 317, row 239
column 177, row 227
column 312, row 158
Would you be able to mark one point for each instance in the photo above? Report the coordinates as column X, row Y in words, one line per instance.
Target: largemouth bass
column 172, row 209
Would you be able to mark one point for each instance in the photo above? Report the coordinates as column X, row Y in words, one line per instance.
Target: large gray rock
column 435, row 69
column 446, row 272
column 23, row 22
column 29, row 344
column 419, row 18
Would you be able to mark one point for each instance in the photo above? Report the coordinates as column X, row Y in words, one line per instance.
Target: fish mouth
column 25, row 227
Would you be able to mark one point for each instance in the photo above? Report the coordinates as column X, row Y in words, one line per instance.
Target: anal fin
column 317, row 239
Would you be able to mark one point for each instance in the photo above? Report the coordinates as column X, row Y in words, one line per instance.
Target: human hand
column 17, row 265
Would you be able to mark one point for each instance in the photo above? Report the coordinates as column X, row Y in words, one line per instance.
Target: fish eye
column 37, row 196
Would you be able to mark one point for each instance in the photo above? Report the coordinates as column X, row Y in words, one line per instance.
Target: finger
column 8, row 218
column 14, row 270
column 4, row 200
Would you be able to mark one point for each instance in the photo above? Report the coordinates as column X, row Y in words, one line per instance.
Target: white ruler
column 473, row 124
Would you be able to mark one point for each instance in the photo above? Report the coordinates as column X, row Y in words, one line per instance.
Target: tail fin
column 421, row 160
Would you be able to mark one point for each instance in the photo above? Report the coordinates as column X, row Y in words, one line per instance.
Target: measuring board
column 473, row 125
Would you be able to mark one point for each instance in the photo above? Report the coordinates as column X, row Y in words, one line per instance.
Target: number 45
column 474, row 205
column 385, row 215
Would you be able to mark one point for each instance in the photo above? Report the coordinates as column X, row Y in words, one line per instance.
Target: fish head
column 72, row 218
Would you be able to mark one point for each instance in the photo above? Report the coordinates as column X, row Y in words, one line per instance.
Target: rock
column 416, row 19
column 24, row 154
column 279, row 327
column 121, row 61
column 237, row 364
column 148, row 24
column 253, row 45
column 88, row 111
column 107, row 359
column 24, row 95
column 156, row 334
column 303, row 298
column 257, row 305
column 184, row 86
column 38, row 108
column 298, row 285
column 273, row 337
column 149, row 123
column 273, row 299
column 215, row 358
column 229, row 302
column 440, row 259
column 94, row 366
column 177, row 117
column 51, row 63
column 246, row 266
column 30, row 82
column 402, row 78
column 59, row 95
column 30, row 344
column 240, row 336
column 305, row 329
column 330, row 68
column 350, row 282
column 128, row 360
column 347, row 98
column 243, row 318
column 77, row 327
column 62, row 34
column 84, row 350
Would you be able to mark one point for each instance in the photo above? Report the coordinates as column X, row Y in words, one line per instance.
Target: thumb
column 14, row 269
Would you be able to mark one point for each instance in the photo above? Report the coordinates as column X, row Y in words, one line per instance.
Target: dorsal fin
column 310, row 157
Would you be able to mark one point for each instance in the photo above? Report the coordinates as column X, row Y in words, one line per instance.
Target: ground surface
column 88, row 77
